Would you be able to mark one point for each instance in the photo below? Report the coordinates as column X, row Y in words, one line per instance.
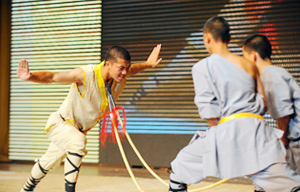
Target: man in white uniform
column 82, row 109
column 282, row 93
column 229, row 95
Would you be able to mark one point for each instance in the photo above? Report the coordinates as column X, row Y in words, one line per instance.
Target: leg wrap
column 72, row 167
column 258, row 188
column 296, row 189
column 177, row 187
column 36, row 175
column 70, row 187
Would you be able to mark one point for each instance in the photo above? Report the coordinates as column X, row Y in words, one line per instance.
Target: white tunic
column 84, row 109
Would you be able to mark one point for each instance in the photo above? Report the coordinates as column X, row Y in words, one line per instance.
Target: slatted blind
column 60, row 35
column 160, row 100
column 53, row 36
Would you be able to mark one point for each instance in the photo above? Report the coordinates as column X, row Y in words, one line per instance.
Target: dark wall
column 5, row 20
column 158, row 150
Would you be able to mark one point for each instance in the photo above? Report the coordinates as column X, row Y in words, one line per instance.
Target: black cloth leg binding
column 180, row 187
column 32, row 182
column 70, row 185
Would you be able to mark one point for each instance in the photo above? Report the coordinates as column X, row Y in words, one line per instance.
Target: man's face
column 247, row 55
column 119, row 69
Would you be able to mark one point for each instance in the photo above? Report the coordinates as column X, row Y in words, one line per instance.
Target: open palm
column 153, row 58
column 23, row 70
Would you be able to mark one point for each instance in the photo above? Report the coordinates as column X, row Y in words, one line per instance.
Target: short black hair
column 260, row 44
column 218, row 27
column 117, row 52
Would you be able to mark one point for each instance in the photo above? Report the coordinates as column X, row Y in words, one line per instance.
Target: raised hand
column 23, row 70
column 153, row 58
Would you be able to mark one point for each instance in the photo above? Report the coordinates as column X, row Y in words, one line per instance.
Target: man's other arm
column 73, row 76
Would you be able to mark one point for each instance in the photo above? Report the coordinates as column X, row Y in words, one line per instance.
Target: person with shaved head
column 84, row 107
column 282, row 93
column 230, row 96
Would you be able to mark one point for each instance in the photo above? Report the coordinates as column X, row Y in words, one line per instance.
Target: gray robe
column 234, row 148
column 283, row 96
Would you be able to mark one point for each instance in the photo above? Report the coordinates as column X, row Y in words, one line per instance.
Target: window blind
column 53, row 36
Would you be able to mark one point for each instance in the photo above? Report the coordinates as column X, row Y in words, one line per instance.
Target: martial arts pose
column 82, row 109
column 282, row 94
column 229, row 95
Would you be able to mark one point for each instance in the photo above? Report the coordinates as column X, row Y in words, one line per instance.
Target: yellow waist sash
column 239, row 115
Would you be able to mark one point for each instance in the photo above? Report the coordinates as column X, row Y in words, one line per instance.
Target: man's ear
column 208, row 38
column 254, row 56
column 229, row 38
column 108, row 63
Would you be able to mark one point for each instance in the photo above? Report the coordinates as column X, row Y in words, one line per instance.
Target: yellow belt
column 239, row 115
column 70, row 121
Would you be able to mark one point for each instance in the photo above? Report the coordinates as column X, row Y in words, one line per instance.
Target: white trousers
column 64, row 138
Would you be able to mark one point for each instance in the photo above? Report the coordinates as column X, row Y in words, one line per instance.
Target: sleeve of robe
column 278, row 94
column 205, row 99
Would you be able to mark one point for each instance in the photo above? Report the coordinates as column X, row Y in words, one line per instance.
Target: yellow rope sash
column 239, row 115
column 70, row 121
column 101, row 86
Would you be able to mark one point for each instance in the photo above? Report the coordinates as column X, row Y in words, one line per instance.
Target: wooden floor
column 97, row 178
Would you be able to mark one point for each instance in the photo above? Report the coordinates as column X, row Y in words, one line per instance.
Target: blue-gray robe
column 238, row 147
column 283, row 96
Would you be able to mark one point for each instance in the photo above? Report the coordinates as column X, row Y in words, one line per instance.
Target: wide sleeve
column 205, row 99
column 278, row 94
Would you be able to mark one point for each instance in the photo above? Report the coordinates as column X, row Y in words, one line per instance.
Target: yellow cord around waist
column 239, row 115
column 70, row 121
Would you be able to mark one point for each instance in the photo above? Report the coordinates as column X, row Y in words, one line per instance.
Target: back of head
column 218, row 27
column 259, row 44
column 117, row 52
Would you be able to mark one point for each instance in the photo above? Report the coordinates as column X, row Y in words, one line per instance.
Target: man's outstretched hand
column 153, row 58
column 23, row 70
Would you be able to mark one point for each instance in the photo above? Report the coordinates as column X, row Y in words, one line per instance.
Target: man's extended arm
column 205, row 99
column 73, row 76
column 152, row 61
